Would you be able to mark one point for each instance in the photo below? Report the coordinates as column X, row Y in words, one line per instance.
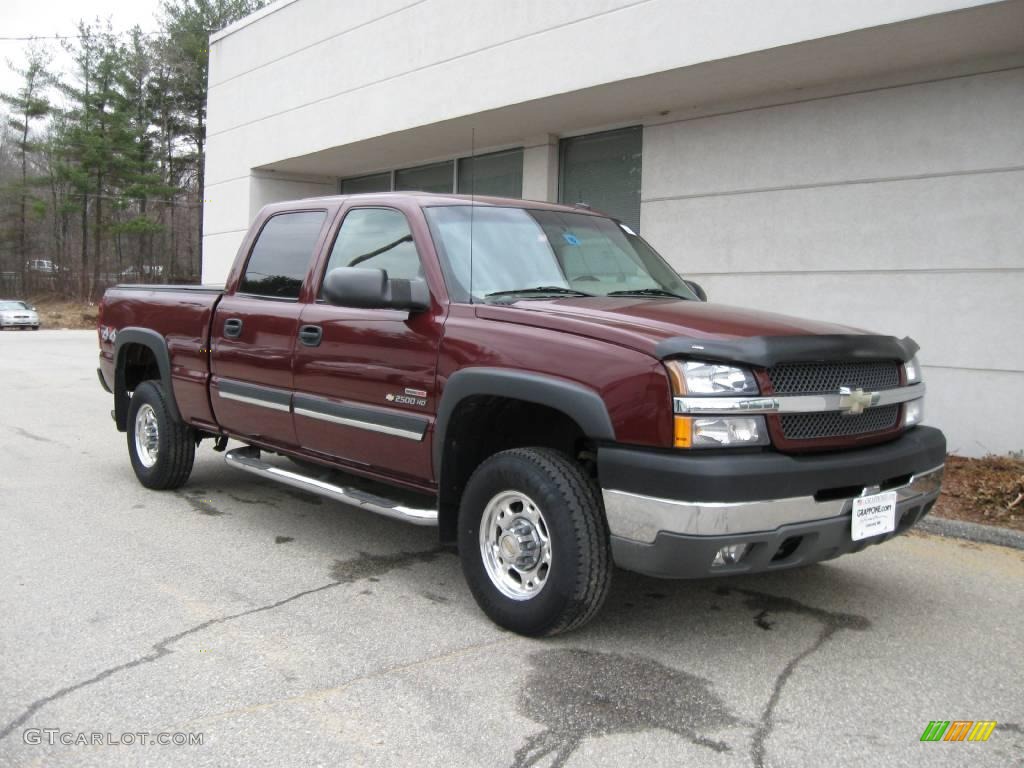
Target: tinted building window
column 438, row 177
column 499, row 174
column 603, row 170
column 378, row 182
column 282, row 254
column 376, row 238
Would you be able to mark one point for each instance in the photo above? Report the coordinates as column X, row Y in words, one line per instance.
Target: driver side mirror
column 696, row 288
column 373, row 289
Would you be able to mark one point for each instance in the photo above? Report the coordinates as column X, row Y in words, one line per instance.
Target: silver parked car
column 18, row 314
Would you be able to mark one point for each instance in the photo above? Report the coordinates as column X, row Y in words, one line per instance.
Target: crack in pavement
column 831, row 623
column 344, row 572
column 30, row 436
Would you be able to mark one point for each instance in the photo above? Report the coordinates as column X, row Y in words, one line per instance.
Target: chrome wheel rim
column 147, row 436
column 515, row 545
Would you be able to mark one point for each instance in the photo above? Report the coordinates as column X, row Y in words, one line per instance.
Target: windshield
column 522, row 253
column 9, row 305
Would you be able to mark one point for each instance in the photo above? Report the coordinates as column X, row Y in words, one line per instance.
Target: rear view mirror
column 372, row 289
column 696, row 288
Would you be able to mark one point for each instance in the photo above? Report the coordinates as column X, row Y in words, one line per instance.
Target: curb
column 984, row 534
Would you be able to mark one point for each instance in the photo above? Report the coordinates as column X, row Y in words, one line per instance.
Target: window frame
column 564, row 144
column 450, row 162
column 391, row 183
column 318, row 285
column 252, row 247
column 456, row 161
column 473, row 158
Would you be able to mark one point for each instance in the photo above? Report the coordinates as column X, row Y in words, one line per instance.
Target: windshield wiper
column 540, row 289
column 647, row 292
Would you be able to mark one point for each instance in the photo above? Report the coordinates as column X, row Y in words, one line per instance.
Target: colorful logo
column 958, row 730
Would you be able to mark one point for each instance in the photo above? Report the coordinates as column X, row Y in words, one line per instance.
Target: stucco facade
column 856, row 162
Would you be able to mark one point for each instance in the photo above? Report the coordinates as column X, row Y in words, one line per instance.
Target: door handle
column 311, row 335
column 233, row 328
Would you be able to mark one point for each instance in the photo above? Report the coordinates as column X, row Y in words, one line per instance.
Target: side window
column 376, row 238
column 282, row 254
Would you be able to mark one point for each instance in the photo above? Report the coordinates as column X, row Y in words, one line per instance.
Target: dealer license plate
column 873, row 515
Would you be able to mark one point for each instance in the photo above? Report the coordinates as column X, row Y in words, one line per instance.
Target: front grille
column 820, row 378
column 813, row 426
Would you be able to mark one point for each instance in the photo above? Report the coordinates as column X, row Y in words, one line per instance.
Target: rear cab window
column 282, row 255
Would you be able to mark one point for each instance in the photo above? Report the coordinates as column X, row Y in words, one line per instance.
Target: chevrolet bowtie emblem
column 854, row 401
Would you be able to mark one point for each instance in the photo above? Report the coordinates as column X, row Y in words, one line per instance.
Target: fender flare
column 157, row 344
column 576, row 401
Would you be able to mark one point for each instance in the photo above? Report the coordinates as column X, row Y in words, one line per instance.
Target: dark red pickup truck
column 534, row 380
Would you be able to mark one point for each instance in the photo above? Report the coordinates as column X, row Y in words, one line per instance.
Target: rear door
column 256, row 325
column 365, row 378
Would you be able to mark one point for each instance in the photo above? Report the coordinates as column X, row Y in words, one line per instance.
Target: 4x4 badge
column 854, row 401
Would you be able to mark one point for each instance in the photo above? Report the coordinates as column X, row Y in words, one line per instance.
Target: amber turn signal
column 683, row 432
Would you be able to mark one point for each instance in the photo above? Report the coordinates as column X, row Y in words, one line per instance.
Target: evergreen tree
column 188, row 25
column 103, row 168
column 98, row 142
column 142, row 179
column 27, row 106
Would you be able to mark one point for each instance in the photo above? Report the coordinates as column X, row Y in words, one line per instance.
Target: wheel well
column 139, row 364
column 483, row 425
column 136, row 363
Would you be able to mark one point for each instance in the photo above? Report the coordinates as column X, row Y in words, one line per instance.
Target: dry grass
column 64, row 313
column 988, row 490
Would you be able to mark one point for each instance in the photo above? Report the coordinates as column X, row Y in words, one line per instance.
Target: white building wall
column 302, row 76
column 898, row 210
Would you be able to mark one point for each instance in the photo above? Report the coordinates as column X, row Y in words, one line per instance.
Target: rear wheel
column 161, row 447
column 534, row 542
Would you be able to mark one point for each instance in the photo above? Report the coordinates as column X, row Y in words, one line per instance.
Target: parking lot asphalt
column 291, row 630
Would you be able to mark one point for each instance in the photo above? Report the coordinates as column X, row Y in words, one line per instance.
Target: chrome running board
column 248, row 459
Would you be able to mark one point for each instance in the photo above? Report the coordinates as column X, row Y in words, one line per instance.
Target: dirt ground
column 988, row 490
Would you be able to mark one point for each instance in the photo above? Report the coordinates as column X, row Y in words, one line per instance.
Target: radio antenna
column 472, row 203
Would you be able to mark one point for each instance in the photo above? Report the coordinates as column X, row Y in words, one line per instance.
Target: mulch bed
column 989, row 490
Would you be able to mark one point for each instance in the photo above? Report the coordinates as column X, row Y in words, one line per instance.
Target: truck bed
column 179, row 313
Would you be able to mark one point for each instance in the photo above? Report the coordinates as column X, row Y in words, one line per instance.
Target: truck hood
column 642, row 324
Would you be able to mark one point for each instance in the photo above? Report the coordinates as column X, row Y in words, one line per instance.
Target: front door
column 255, row 329
column 364, row 378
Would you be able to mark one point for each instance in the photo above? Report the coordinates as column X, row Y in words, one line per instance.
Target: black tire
column 176, row 447
column 579, row 576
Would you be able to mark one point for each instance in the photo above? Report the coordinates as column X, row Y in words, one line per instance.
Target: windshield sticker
column 571, row 239
column 627, row 230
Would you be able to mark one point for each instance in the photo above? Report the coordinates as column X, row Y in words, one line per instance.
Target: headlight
column 691, row 377
column 720, row 431
column 700, row 378
column 912, row 368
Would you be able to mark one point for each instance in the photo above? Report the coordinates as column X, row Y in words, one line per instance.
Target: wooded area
column 101, row 167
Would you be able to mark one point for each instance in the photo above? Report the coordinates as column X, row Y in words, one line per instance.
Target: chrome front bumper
column 641, row 518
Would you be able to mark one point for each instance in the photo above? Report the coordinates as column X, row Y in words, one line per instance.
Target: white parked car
column 18, row 314
column 42, row 265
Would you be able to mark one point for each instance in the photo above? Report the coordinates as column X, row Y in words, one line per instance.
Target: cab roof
column 432, row 199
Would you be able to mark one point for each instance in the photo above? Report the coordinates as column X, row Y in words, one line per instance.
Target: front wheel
column 161, row 447
column 534, row 542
